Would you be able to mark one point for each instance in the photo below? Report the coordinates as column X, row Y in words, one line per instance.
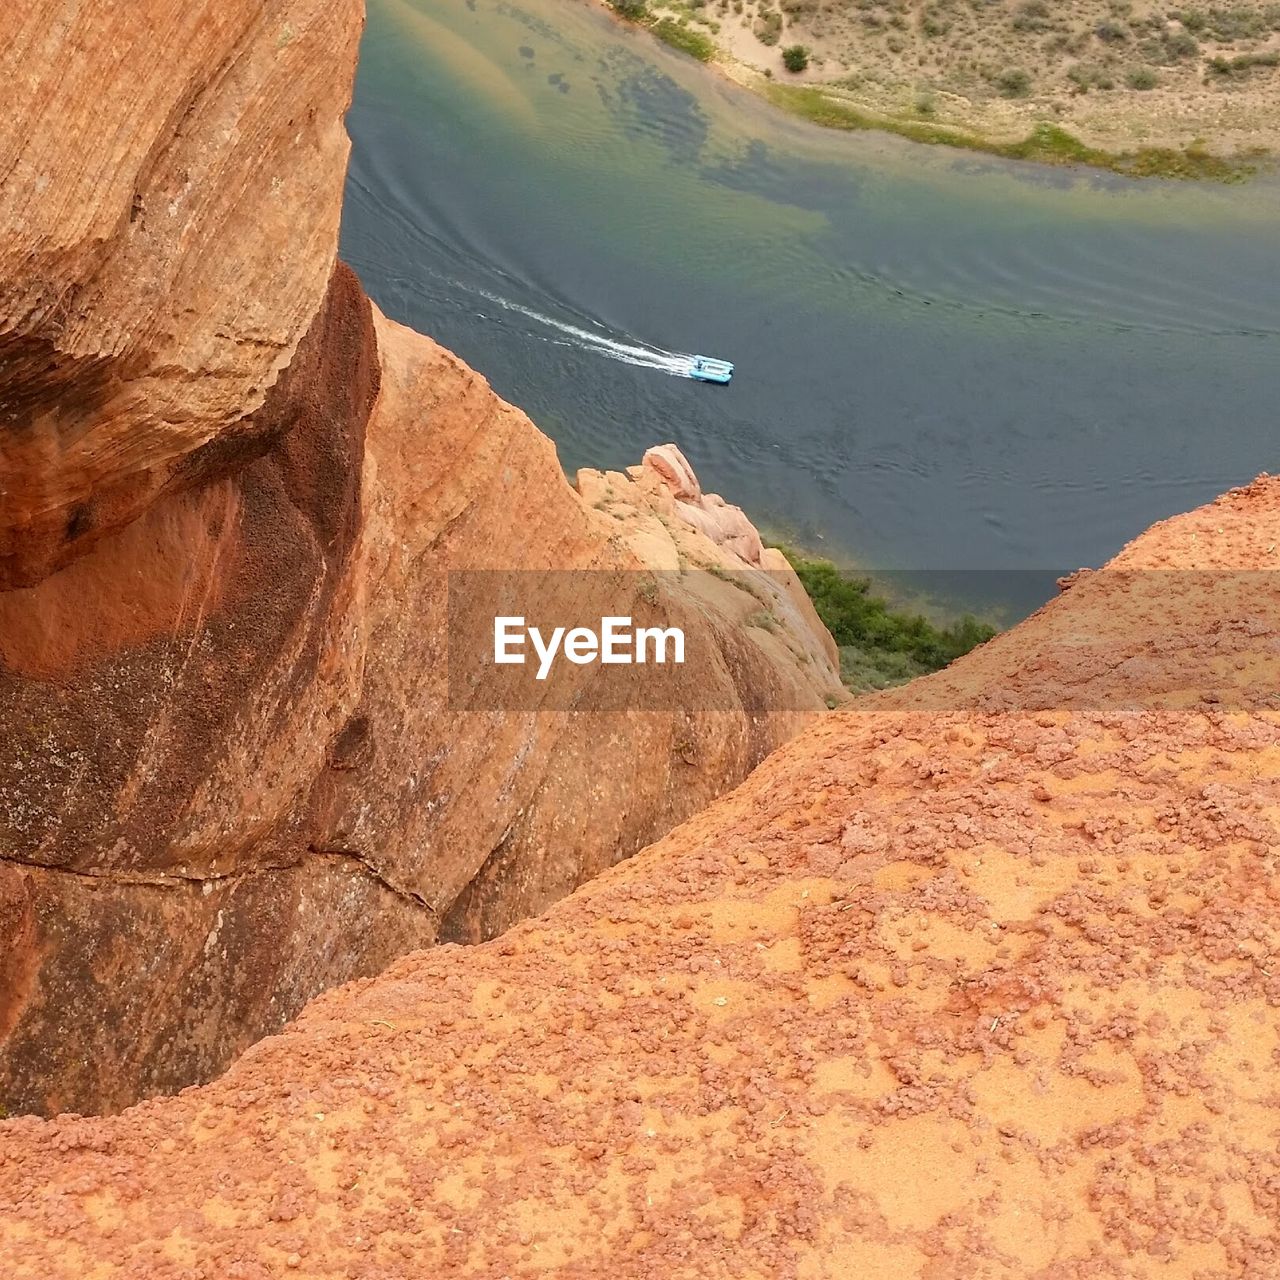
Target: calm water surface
column 942, row 363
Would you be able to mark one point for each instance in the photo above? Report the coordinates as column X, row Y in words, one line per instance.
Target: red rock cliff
column 231, row 774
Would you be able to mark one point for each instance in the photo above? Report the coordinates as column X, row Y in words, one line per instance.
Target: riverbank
column 881, row 643
column 1191, row 94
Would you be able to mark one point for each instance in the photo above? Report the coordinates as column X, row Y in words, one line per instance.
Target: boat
column 707, row 369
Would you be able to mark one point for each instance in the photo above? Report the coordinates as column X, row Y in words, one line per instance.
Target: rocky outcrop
column 241, row 761
column 156, row 158
column 660, row 511
column 977, row 977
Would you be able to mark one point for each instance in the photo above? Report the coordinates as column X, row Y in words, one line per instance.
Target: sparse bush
column 1110, row 33
column 1086, row 76
column 1032, row 15
column 769, row 26
column 795, row 58
column 1229, row 68
column 1170, row 47
column 1229, row 25
column 1014, row 83
column 1142, row 78
column 765, row 620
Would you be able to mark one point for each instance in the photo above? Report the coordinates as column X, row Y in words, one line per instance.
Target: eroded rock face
column 170, row 697
column 172, row 178
column 976, row 977
column 232, row 773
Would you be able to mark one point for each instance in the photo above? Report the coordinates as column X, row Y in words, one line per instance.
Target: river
column 944, row 362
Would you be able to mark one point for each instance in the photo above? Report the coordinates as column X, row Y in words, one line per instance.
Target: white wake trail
column 677, row 364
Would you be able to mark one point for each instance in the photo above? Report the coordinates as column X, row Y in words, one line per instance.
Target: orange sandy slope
column 979, row 978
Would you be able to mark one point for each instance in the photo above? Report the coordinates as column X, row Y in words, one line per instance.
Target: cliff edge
column 974, row 978
column 235, row 770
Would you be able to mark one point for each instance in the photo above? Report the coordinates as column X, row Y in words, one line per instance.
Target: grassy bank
column 1045, row 144
column 671, row 30
column 688, row 25
column 692, row 42
column 879, row 645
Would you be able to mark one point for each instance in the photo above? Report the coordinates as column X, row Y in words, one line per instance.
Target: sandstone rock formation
column 670, row 525
column 156, row 158
column 978, row 977
column 234, row 768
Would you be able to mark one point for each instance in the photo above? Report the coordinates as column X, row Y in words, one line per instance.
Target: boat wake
column 676, row 364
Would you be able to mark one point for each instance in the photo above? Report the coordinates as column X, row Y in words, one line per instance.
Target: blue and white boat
column 707, row 369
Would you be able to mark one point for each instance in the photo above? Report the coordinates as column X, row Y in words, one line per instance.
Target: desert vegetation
column 1125, row 77
column 881, row 645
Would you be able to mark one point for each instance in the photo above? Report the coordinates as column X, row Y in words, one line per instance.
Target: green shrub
column 1014, row 83
column 874, row 636
column 1228, row 68
column 1142, row 78
column 1170, row 47
column 1086, row 76
column 1110, row 33
column 1229, row 25
column 795, row 57
column 1180, row 44
column 632, row 10
column 768, row 28
column 1033, row 15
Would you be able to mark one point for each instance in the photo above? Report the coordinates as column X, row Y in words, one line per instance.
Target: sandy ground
column 1118, row 76
column 979, row 978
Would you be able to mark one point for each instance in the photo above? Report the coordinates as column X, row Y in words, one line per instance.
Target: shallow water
column 943, row 362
